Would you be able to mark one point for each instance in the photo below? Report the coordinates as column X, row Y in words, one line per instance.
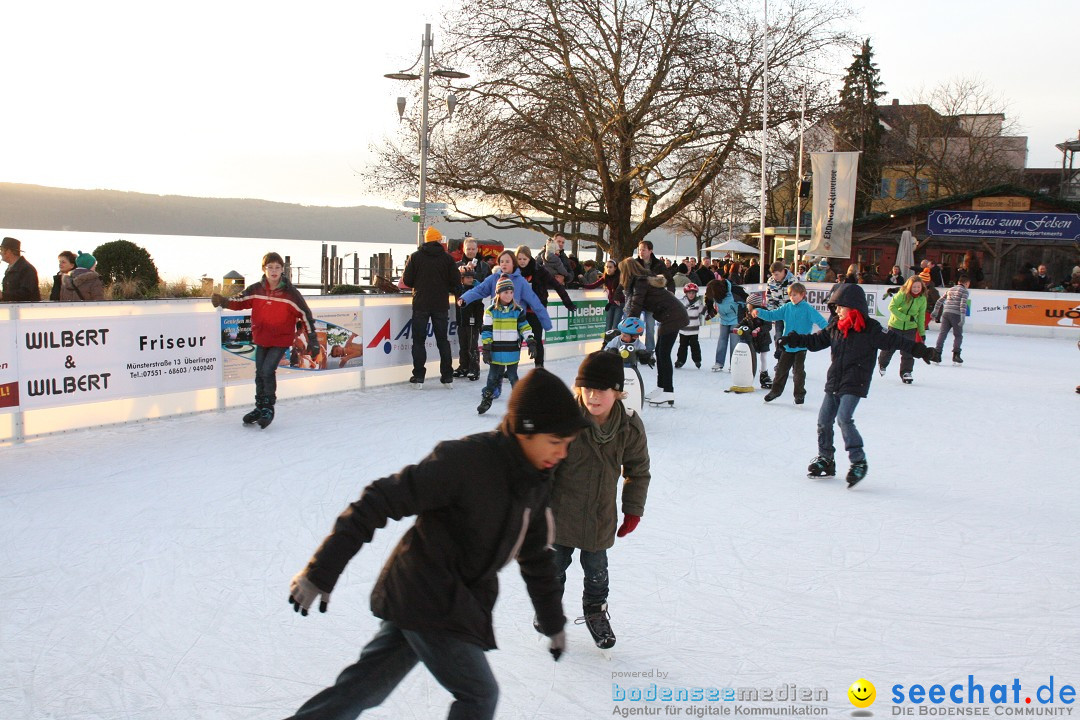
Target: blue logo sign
column 977, row 223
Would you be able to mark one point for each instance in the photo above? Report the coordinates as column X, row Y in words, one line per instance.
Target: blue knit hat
column 85, row 260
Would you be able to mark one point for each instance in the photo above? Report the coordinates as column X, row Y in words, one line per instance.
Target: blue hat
column 85, row 260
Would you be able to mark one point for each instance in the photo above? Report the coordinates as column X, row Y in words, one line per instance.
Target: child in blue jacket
column 798, row 317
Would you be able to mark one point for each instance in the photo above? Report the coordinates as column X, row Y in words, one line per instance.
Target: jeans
column 787, row 362
column 723, row 352
column 538, row 334
column 266, row 362
column 954, row 322
column 470, row 321
column 595, row 567
column 440, row 321
column 664, row 371
column 612, row 316
column 839, row 409
column 459, row 666
column 496, row 373
column 907, row 360
column 650, row 331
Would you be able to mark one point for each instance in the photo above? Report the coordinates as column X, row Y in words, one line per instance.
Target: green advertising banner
column 585, row 323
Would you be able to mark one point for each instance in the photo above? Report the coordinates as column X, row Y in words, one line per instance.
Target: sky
column 283, row 102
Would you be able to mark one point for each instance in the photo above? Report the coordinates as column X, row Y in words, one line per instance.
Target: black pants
column 664, row 345
column 440, row 321
column 691, row 342
column 789, row 360
column 907, row 360
column 470, row 322
column 538, row 334
column 266, row 362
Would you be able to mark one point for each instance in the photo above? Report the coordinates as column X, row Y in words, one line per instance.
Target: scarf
column 853, row 320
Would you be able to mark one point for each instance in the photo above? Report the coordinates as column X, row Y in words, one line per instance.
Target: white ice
column 145, row 567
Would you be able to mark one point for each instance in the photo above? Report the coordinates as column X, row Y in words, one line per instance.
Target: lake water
column 183, row 257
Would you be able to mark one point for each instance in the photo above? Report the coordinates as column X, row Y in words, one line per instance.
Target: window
column 924, row 188
column 903, row 187
column 886, row 185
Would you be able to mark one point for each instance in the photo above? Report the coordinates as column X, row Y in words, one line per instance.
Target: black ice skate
column 253, row 417
column 485, row 404
column 266, row 416
column 856, row 472
column 956, row 359
column 906, row 377
column 766, row 381
column 596, row 619
column 821, row 466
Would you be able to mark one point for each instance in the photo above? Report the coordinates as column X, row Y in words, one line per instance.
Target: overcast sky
column 282, row 101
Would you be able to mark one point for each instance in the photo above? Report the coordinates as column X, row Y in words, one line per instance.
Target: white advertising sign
column 388, row 336
column 9, row 369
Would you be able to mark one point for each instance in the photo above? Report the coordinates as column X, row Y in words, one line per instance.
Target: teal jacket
column 799, row 319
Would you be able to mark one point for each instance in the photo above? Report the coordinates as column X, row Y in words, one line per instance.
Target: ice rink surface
column 145, row 567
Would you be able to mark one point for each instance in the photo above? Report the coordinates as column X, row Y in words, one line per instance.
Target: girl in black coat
column 541, row 281
column 647, row 292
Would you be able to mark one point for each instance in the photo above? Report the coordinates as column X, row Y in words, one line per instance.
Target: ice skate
column 717, row 367
column 906, row 377
column 660, row 397
column 821, row 466
column 416, row 383
column 596, row 619
column 485, row 404
column 460, row 372
column 956, row 359
column 765, row 380
column 253, row 417
column 266, row 416
column 856, row 472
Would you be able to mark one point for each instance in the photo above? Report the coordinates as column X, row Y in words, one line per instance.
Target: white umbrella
column 732, row 246
column 905, row 255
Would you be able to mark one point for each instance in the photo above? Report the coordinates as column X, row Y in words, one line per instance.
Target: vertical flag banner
column 835, row 174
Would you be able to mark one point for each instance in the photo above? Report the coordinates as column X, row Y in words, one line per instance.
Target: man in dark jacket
column 21, row 279
column 653, row 266
column 470, row 317
column 479, row 502
column 854, row 337
column 432, row 275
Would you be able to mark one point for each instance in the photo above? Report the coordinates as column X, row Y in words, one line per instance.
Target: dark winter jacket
column 647, row 292
column 432, row 275
column 274, row 312
column 587, row 481
column 475, row 270
column 853, row 357
column 612, row 287
column 542, row 281
column 20, row 282
column 478, row 504
column 755, row 331
column 54, row 294
column 81, row 284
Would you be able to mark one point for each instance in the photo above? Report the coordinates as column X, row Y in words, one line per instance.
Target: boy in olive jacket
column 587, row 483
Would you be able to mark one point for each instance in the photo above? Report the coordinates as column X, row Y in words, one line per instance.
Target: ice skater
column 276, row 309
column 796, row 316
column 479, row 503
column 854, row 337
column 505, row 326
column 950, row 310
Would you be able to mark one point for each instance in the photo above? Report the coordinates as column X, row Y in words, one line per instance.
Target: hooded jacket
column 854, row 356
column 587, row 481
column 523, row 294
column 648, row 292
column 433, row 276
column 478, row 504
column 274, row 312
column 81, row 284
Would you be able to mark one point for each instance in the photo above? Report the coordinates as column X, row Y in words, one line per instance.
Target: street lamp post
column 426, row 44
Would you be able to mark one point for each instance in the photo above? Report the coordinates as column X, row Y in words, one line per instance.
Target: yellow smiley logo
column 862, row 693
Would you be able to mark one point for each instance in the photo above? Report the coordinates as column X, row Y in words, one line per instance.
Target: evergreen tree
column 857, row 123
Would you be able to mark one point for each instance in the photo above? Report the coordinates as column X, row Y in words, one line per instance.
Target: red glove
column 628, row 524
column 918, row 337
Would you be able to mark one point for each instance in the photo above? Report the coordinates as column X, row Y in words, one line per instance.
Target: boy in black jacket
column 479, row 502
column 854, row 337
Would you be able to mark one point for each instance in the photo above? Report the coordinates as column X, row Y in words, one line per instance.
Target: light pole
column 426, row 44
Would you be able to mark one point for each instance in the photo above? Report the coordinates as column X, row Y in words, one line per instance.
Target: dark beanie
column 601, row 370
column 541, row 403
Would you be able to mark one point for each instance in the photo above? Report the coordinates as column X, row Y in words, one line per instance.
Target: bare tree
column 726, row 201
column 611, row 114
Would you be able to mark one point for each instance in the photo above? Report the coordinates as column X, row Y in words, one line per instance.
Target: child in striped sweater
column 505, row 325
column 950, row 310
column 688, row 336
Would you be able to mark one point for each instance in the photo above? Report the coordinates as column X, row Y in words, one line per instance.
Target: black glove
column 313, row 345
column 531, row 343
column 218, row 301
column 569, row 305
column 924, row 353
column 302, row 592
column 646, row 357
column 485, row 352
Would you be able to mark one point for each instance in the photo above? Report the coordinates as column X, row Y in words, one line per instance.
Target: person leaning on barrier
column 20, row 279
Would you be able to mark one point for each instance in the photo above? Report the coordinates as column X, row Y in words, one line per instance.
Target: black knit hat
column 601, row 370
column 541, row 403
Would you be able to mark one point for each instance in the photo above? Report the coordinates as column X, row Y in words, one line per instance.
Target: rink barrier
column 68, row 366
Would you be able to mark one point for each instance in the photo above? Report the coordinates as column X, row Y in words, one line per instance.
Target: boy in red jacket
column 276, row 306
